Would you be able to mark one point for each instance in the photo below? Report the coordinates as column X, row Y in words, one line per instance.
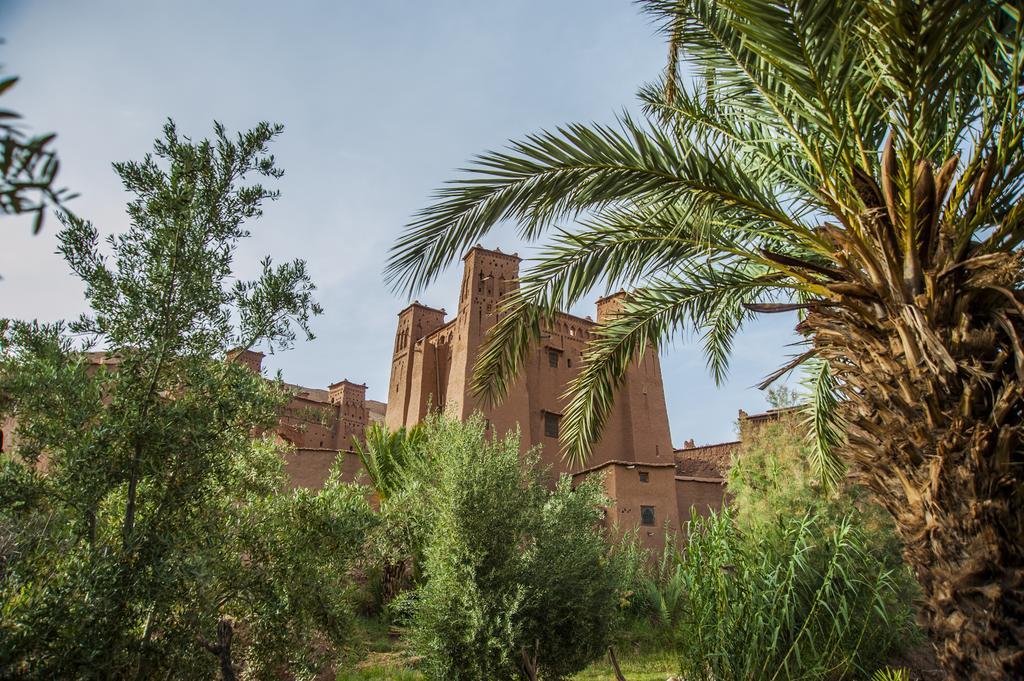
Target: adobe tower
column 432, row 367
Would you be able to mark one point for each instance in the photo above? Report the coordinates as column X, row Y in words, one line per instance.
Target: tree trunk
column 222, row 649
column 935, row 417
column 615, row 665
column 530, row 661
column 393, row 574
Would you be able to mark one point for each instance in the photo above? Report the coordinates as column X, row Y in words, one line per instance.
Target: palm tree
column 859, row 162
column 390, row 460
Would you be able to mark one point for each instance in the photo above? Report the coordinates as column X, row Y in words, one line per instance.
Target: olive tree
column 142, row 513
column 520, row 580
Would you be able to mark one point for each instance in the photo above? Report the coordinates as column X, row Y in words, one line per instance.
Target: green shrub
column 772, row 479
column 803, row 599
column 519, row 579
column 655, row 599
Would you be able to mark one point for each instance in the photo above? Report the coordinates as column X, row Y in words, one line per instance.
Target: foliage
column 519, row 578
column 773, row 478
column 859, row 162
column 28, row 168
column 287, row 576
column 782, row 397
column 392, row 461
column 659, row 598
column 388, row 458
column 145, row 524
column 803, row 599
column 889, row 674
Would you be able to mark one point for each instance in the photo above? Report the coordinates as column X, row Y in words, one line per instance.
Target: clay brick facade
column 321, row 425
column 653, row 487
column 432, row 365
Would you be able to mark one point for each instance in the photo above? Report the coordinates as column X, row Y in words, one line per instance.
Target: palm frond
column 825, row 426
column 389, row 457
column 618, row 248
column 703, row 298
column 558, row 175
column 796, row 164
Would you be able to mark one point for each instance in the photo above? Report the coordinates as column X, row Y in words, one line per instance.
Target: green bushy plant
column 520, row 580
column 144, row 531
column 804, row 599
column 773, row 478
column 656, row 597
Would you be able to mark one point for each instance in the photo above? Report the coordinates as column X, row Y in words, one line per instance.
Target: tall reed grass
column 804, row 599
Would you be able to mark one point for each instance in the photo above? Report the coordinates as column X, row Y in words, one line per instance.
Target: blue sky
column 381, row 102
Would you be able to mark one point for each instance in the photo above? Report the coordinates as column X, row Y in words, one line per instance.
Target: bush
column 793, row 581
column 805, row 599
column 772, row 480
column 519, row 580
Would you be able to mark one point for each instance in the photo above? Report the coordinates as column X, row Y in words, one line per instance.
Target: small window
column 645, row 476
column 569, row 363
column 1, row 440
column 552, row 358
column 647, row 515
column 551, row 424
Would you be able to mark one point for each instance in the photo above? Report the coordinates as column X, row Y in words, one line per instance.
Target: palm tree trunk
column 935, row 419
column 393, row 573
column 222, row 649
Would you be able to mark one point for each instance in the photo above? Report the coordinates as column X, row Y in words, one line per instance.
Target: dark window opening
column 647, row 515
column 551, row 424
column 552, row 358
column 1, row 440
column 645, row 476
column 569, row 363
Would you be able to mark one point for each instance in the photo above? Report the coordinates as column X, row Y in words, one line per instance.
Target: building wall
column 699, row 495
column 320, row 426
column 310, row 467
column 432, row 367
column 631, row 487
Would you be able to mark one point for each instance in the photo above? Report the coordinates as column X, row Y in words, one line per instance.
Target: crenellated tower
column 350, row 399
column 487, row 276
column 414, row 323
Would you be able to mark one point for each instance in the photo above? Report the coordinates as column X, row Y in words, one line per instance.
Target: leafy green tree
column 28, row 168
column 520, row 581
column 782, row 397
column 857, row 161
column 772, row 478
column 143, row 517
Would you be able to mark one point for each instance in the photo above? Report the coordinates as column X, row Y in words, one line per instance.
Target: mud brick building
column 653, row 487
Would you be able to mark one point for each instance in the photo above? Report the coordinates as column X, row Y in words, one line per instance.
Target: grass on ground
column 377, row 653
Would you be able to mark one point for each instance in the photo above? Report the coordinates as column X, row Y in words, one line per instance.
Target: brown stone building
column 432, row 365
column 320, row 425
column 652, row 486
